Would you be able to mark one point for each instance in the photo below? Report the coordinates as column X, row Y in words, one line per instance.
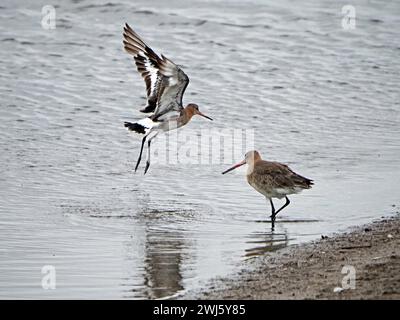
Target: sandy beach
column 314, row 270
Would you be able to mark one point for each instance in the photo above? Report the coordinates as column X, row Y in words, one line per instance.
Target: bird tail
column 303, row 182
column 142, row 126
column 307, row 183
column 136, row 127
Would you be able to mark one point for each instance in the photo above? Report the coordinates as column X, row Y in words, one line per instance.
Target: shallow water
column 322, row 99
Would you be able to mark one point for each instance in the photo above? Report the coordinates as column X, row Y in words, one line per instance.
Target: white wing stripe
column 165, row 81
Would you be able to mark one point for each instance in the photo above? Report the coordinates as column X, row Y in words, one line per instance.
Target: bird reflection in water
column 263, row 242
column 163, row 260
column 165, row 251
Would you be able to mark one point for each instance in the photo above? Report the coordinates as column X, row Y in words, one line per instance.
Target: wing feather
column 280, row 175
column 165, row 81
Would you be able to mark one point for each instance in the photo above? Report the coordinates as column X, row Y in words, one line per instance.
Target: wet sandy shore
column 313, row 270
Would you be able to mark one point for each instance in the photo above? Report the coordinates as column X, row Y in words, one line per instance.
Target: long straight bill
column 203, row 115
column 235, row 166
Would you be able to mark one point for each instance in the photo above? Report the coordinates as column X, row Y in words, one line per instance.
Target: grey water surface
column 323, row 99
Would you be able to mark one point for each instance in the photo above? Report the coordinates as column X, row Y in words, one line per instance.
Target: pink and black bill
column 235, row 166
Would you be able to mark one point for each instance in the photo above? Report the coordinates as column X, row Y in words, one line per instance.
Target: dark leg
column 285, row 205
column 148, row 157
column 148, row 153
column 141, row 151
column 273, row 214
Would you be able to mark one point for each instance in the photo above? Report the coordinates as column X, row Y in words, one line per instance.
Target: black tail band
column 135, row 127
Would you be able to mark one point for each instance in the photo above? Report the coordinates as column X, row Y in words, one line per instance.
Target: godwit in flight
column 272, row 179
column 165, row 85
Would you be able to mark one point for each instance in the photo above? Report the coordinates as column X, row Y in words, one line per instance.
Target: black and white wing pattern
column 165, row 81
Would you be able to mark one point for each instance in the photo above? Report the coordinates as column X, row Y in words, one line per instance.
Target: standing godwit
column 272, row 179
column 165, row 85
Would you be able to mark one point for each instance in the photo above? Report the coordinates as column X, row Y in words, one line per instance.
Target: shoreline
column 370, row 255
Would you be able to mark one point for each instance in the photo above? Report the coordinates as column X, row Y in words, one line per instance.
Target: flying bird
column 272, row 179
column 165, row 85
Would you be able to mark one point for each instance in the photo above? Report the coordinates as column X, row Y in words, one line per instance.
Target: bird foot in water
column 272, row 222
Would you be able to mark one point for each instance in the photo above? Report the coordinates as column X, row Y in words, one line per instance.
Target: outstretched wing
column 173, row 87
column 165, row 81
column 147, row 63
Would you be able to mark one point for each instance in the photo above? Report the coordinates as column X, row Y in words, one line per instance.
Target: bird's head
column 193, row 109
column 250, row 158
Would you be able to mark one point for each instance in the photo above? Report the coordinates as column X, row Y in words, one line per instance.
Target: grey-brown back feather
column 278, row 175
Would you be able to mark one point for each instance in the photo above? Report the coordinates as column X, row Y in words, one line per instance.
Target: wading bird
column 165, row 85
column 272, row 179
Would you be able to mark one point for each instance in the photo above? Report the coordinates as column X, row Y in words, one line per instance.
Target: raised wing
column 165, row 81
